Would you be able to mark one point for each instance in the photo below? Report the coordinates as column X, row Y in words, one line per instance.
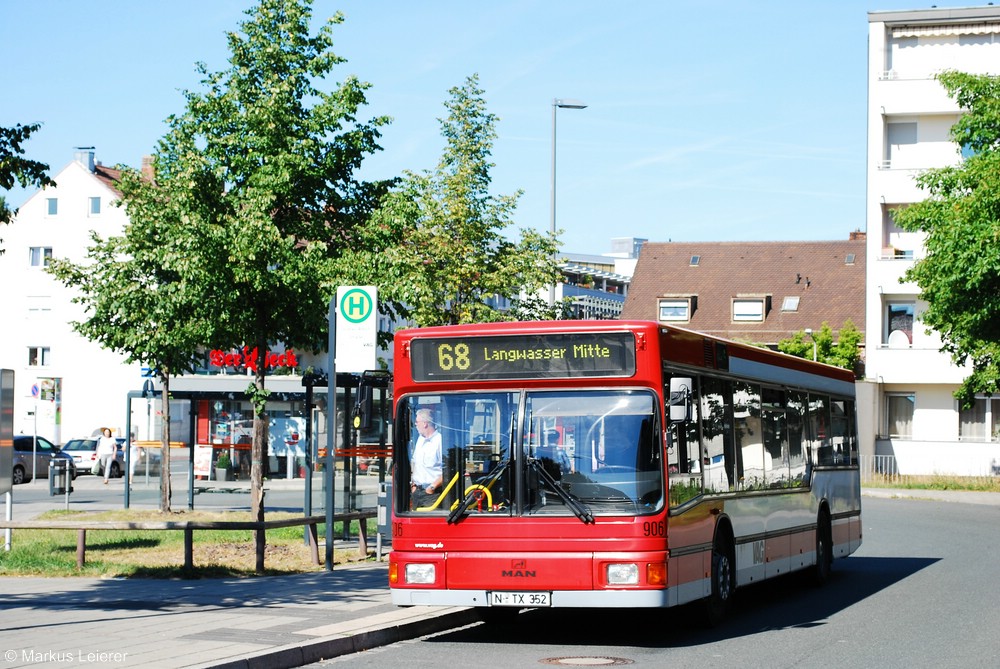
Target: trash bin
column 383, row 525
column 384, row 504
column 60, row 479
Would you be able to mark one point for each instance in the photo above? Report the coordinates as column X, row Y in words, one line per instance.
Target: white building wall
column 38, row 313
column 909, row 122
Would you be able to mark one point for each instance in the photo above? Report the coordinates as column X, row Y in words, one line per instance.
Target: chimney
column 148, row 172
column 85, row 156
column 858, row 236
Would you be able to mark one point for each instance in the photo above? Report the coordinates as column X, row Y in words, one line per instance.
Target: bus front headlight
column 420, row 574
column 623, row 574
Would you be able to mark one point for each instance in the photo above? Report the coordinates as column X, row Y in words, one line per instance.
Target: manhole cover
column 586, row 661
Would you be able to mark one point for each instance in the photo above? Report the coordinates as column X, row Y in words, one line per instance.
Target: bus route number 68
column 451, row 357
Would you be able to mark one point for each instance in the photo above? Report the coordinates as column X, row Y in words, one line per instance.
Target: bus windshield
column 578, row 453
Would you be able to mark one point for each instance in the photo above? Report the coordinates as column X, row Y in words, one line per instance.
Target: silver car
column 44, row 451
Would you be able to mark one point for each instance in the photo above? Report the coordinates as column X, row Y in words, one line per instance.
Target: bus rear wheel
column 723, row 580
column 824, row 549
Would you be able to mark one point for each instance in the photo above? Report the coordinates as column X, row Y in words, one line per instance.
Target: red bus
column 613, row 464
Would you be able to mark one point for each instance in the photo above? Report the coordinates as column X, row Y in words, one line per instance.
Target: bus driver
column 427, row 466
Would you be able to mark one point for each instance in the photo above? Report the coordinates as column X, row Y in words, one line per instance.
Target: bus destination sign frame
column 529, row 356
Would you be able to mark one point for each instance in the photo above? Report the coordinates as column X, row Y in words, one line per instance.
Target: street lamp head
column 809, row 331
column 567, row 103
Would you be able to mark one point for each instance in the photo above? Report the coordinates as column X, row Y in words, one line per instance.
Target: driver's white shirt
column 426, row 464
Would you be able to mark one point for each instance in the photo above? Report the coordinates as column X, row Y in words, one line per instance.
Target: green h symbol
column 356, row 305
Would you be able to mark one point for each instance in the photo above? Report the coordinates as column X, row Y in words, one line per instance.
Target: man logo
column 518, row 569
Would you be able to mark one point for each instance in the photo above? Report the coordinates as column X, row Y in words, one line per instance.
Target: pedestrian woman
column 106, row 449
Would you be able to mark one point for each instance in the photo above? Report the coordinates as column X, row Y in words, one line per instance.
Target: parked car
column 44, row 450
column 84, row 454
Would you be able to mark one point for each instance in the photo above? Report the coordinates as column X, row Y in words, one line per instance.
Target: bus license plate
column 520, row 599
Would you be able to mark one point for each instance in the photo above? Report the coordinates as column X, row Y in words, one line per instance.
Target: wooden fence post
column 188, row 547
column 81, row 548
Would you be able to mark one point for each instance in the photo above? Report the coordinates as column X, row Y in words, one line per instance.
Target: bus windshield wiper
column 581, row 511
column 471, row 496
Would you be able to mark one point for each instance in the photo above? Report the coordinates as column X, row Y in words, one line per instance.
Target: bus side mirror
column 679, row 402
column 363, row 409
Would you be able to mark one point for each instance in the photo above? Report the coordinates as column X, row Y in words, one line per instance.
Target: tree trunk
column 164, row 444
column 258, row 453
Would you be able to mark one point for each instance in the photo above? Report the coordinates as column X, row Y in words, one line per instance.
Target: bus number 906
column 654, row 529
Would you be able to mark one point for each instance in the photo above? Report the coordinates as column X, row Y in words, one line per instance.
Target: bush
column 223, row 461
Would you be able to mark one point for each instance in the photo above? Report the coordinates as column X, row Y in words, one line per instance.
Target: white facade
column 916, row 416
column 37, row 339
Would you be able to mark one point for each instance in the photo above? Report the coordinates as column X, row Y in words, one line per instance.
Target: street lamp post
column 810, row 333
column 557, row 104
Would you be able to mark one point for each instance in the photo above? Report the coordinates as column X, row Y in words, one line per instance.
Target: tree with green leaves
column 437, row 247
column 259, row 193
column 959, row 275
column 272, row 159
column 16, row 169
column 144, row 292
column 843, row 352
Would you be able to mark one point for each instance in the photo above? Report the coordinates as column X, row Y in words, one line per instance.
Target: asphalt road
column 921, row 592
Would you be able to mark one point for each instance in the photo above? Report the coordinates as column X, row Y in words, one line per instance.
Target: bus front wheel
column 723, row 579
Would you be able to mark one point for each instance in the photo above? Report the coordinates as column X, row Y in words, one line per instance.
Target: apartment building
column 917, row 419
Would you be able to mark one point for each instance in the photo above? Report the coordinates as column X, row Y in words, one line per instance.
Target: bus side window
column 682, row 432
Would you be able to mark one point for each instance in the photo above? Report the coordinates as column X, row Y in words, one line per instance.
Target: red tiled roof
column 828, row 287
column 109, row 176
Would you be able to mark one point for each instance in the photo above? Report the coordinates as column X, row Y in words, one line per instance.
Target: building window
column 751, row 310
column 896, row 242
column 897, row 330
column 675, row 310
column 52, row 206
column 38, row 356
column 790, row 303
column 95, row 206
column 898, row 135
column 899, row 414
column 39, row 256
column 981, row 421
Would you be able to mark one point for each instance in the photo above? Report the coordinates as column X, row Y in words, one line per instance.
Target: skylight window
column 790, row 303
column 695, row 260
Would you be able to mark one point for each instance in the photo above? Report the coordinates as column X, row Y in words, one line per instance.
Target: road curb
column 410, row 623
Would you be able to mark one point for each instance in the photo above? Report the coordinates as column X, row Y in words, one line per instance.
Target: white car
column 84, row 453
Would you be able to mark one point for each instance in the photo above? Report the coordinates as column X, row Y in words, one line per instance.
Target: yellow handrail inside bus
column 437, row 502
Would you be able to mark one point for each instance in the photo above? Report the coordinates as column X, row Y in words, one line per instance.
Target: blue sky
column 717, row 121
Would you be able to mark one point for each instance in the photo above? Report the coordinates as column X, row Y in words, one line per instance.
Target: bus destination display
column 540, row 356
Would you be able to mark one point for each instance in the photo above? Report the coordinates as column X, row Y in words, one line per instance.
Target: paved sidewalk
column 960, row 496
column 276, row 621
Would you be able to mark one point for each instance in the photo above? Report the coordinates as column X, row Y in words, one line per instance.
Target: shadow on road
column 783, row 603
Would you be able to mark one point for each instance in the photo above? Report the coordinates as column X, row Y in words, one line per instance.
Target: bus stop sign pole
column 331, row 428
